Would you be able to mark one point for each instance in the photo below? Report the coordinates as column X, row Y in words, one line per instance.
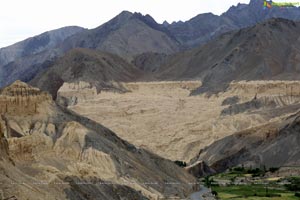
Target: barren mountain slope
column 204, row 27
column 131, row 34
column 36, row 44
column 100, row 69
column 268, row 50
column 164, row 118
column 275, row 144
column 25, row 59
column 57, row 154
column 127, row 34
column 200, row 29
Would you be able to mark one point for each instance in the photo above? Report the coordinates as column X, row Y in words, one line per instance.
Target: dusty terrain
column 48, row 152
column 157, row 116
column 162, row 117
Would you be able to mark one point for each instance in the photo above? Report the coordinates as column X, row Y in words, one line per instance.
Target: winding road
column 198, row 195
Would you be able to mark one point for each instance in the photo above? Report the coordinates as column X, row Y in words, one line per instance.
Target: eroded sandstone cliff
column 57, row 154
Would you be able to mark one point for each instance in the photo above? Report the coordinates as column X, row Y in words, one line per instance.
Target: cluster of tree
column 254, row 171
column 294, row 184
column 208, row 182
column 180, row 163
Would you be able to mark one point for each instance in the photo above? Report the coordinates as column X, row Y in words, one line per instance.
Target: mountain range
column 269, row 50
column 234, row 59
column 129, row 35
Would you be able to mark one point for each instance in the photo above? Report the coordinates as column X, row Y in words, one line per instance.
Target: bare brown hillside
column 102, row 70
column 266, row 51
column 162, row 116
column 57, row 154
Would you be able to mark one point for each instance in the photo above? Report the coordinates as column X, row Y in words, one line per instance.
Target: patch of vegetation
column 253, row 184
column 255, row 172
column 207, row 182
column 215, row 193
column 180, row 163
column 273, row 169
column 255, row 192
column 294, row 184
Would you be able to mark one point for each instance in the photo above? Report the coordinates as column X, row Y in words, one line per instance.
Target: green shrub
column 273, row 195
column 239, row 169
column 180, row 163
column 295, row 184
column 273, row 169
column 207, row 182
column 215, row 193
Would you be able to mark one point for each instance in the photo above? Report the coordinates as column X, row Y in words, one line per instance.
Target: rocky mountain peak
column 166, row 23
column 122, row 17
column 125, row 13
column 147, row 18
column 256, row 3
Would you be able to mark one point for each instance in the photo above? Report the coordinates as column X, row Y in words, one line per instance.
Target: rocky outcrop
column 265, row 103
column 21, row 98
column 3, row 141
column 73, row 157
column 69, row 94
column 266, row 88
column 253, row 96
column 230, row 100
column 274, row 144
column 200, row 169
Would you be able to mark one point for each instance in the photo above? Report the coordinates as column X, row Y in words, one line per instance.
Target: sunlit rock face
column 58, row 154
column 21, row 98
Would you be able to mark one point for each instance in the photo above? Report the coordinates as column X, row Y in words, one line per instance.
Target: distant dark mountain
column 268, row 50
column 36, row 44
column 205, row 27
column 134, row 36
column 26, row 68
column 127, row 34
column 97, row 68
column 200, row 29
column 244, row 15
column 25, row 59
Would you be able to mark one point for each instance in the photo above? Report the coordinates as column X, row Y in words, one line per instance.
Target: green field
column 253, row 192
column 253, row 184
